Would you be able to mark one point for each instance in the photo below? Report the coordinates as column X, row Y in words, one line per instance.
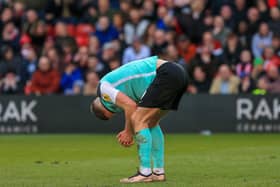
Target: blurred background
column 64, row 47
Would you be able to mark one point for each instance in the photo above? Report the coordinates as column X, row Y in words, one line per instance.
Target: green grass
column 97, row 160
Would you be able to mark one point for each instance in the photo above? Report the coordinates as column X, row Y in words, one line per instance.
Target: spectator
column 276, row 44
column 77, row 89
column 247, row 85
column 95, row 65
column 9, row 62
column 171, row 54
column 136, row 51
column 243, row 34
column 39, row 35
column 186, row 49
column 18, row 10
column 261, row 40
column 63, row 40
column 136, row 27
column 213, row 45
column 104, row 31
column 6, row 16
column 10, row 36
column 149, row 10
column 49, row 44
column 55, row 59
column 60, row 9
column 125, row 7
column 190, row 22
column 149, row 34
column 118, row 23
column 104, row 8
column 207, row 61
column 240, row 10
column 264, row 12
column 45, row 80
column 216, row 5
column 31, row 22
column 109, row 51
column 253, row 16
column 244, row 68
column 94, row 45
column 164, row 20
column 269, row 57
column 114, row 63
column 208, row 22
column 271, row 81
column 227, row 16
column 81, row 58
column 225, row 82
column 71, row 75
column 220, row 32
column 274, row 23
column 200, row 83
column 10, row 83
column 232, row 51
column 160, row 42
column 29, row 64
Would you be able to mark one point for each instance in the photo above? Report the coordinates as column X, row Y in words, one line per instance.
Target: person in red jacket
column 46, row 79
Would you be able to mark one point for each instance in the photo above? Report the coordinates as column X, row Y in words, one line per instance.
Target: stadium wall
column 199, row 113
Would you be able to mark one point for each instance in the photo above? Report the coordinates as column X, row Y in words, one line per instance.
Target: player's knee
column 138, row 121
column 134, row 118
column 153, row 122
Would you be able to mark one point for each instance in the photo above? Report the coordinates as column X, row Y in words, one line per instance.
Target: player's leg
column 141, row 120
column 158, row 148
column 164, row 93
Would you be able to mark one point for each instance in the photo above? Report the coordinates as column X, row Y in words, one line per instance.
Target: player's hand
column 125, row 138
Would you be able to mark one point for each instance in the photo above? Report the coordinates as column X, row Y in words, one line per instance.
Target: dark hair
column 91, row 71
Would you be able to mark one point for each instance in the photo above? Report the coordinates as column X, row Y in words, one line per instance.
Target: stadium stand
column 227, row 46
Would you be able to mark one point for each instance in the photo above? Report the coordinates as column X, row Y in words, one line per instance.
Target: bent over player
column 145, row 90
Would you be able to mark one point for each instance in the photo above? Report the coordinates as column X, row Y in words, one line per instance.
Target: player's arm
column 129, row 106
column 111, row 94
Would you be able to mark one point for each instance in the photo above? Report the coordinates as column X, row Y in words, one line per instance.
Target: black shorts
column 167, row 89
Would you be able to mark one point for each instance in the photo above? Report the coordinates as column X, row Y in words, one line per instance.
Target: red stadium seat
column 24, row 39
column 71, row 29
column 272, row 3
column 84, row 29
column 82, row 40
column 50, row 30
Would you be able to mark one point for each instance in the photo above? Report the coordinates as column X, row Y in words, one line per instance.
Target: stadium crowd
column 227, row 46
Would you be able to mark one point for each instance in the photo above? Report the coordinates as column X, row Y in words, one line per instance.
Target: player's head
column 99, row 110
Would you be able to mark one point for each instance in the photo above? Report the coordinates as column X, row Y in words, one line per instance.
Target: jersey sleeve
column 108, row 93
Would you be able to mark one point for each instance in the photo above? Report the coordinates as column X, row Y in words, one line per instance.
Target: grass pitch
column 97, row 160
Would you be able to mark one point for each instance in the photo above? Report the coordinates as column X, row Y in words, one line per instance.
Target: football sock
column 144, row 143
column 157, row 149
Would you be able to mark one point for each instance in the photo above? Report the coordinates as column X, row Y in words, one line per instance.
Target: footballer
column 145, row 90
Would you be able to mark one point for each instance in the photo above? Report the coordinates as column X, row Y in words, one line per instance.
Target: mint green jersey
column 132, row 79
